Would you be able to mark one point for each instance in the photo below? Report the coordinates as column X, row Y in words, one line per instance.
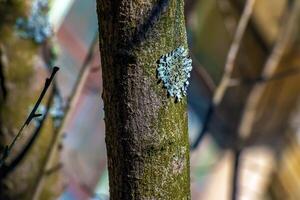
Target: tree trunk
column 146, row 131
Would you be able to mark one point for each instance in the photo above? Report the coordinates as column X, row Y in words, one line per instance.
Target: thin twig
column 203, row 75
column 2, row 76
column 286, row 37
column 252, row 27
column 275, row 77
column 31, row 116
column 7, row 168
column 229, row 67
column 233, row 51
column 59, row 131
column 206, row 121
column 235, row 175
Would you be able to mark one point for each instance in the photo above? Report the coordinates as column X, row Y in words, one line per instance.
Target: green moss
column 153, row 138
column 169, row 158
column 166, row 154
column 169, row 34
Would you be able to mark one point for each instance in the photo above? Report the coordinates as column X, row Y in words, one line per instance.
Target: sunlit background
column 269, row 163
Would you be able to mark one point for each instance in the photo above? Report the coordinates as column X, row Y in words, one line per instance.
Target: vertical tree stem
column 146, row 131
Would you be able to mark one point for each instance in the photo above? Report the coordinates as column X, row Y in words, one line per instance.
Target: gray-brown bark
column 146, row 132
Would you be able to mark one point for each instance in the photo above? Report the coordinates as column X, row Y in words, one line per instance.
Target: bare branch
column 32, row 115
column 68, row 113
column 286, row 37
column 233, row 51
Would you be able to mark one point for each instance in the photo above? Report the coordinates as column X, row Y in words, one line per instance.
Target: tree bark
column 146, row 131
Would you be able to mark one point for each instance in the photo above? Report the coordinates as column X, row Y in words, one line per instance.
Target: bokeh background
column 263, row 165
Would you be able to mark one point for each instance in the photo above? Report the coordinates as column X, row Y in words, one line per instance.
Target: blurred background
column 243, row 101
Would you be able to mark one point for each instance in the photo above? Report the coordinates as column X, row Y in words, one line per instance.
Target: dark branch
column 2, row 78
column 206, row 121
column 5, row 168
column 33, row 113
column 235, row 177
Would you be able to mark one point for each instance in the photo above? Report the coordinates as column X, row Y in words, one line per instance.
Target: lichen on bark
column 146, row 132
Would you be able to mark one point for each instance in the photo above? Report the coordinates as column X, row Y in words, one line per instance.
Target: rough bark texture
column 146, row 131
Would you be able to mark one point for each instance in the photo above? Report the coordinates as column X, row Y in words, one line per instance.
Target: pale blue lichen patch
column 174, row 71
column 37, row 25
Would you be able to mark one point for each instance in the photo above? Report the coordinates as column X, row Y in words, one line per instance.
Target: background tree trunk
column 24, row 79
column 146, row 132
